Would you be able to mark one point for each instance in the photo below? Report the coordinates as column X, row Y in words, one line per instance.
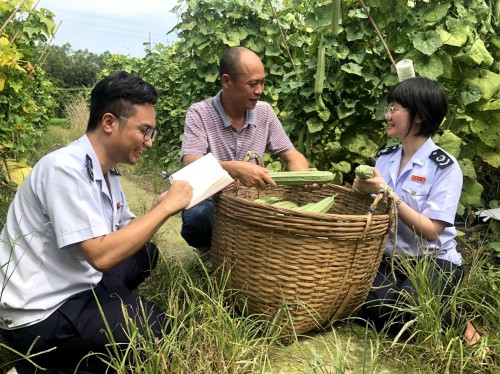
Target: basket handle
column 251, row 155
column 385, row 191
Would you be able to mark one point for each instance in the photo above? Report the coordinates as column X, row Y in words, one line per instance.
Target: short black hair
column 423, row 97
column 230, row 61
column 118, row 93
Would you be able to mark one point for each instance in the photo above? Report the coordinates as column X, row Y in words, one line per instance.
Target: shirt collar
column 250, row 118
column 424, row 151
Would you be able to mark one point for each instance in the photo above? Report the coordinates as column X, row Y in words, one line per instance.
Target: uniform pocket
column 416, row 194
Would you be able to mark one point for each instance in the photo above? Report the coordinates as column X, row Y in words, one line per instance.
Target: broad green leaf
column 360, row 143
column 485, row 126
column 429, row 66
column 469, row 94
column 476, row 54
column 319, row 18
column 342, row 166
column 471, row 192
column 427, row 42
column 489, row 155
column 314, row 125
column 495, row 246
column 354, row 33
column 493, row 104
column 487, row 81
column 352, row 68
column 480, row 54
column 449, row 142
column 458, row 33
column 344, row 111
column 273, row 50
column 438, row 12
column 467, row 168
column 15, row 85
column 272, row 93
column 447, row 61
column 341, row 52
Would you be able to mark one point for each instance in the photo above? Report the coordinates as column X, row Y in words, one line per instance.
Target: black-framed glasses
column 390, row 109
column 149, row 132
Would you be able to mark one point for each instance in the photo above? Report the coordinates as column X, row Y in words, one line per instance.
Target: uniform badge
column 90, row 167
column 416, row 178
column 441, row 158
column 387, row 150
column 115, row 171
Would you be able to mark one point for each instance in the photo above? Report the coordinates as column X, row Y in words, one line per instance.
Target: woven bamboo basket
column 302, row 270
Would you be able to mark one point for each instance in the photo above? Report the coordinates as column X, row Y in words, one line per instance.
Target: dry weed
column 77, row 112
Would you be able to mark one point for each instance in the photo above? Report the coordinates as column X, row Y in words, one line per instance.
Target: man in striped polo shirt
column 229, row 125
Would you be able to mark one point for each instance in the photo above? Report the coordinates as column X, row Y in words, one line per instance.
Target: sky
column 117, row 26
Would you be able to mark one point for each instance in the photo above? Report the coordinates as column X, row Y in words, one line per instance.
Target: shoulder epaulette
column 441, row 158
column 90, row 167
column 387, row 150
column 115, row 171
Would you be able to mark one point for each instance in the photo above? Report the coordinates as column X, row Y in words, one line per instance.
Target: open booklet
column 206, row 176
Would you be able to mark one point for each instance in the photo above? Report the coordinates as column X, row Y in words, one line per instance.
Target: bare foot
column 471, row 335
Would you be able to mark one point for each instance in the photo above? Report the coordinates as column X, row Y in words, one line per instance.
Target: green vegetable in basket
column 286, row 204
column 364, row 172
column 321, row 206
column 298, row 178
column 268, row 199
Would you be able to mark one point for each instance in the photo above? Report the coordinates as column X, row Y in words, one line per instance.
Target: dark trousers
column 197, row 224
column 77, row 327
column 392, row 287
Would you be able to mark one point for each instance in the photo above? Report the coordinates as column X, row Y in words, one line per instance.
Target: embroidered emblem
column 419, row 179
column 90, row 167
column 441, row 158
column 387, row 150
column 115, row 171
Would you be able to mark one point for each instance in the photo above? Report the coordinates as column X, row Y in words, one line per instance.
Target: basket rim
column 231, row 195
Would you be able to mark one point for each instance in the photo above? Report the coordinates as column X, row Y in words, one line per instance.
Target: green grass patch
column 59, row 122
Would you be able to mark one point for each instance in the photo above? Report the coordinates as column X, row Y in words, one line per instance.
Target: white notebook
column 206, row 176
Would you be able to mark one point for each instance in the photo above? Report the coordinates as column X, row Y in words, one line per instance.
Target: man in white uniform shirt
column 70, row 237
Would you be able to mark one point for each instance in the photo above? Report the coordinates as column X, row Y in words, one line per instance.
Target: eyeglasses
column 391, row 109
column 149, row 132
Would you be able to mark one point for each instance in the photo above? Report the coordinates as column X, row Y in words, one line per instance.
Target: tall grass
column 78, row 113
column 206, row 334
column 423, row 338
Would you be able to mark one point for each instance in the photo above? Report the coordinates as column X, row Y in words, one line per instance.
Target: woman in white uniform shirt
column 425, row 182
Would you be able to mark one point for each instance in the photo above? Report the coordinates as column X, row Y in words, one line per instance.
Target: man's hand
column 177, row 197
column 252, row 175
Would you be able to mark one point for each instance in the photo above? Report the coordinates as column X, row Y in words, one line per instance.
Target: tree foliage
column 71, row 71
column 25, row 94
column 72, row 68
column 453, row 41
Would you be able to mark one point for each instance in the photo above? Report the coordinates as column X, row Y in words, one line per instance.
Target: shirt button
column 8, row 321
